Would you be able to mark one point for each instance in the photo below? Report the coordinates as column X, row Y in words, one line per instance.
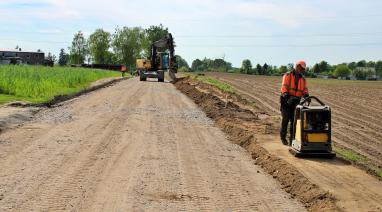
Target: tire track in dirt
column 134, row 146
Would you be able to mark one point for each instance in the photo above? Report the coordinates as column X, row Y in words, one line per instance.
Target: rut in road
column 132, row 146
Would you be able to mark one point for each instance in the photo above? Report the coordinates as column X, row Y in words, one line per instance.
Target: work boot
column 284, row 141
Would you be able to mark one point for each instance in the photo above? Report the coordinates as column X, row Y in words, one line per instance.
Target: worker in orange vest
column 294, row 86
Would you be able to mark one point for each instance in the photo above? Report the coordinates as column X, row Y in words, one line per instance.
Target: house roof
column 15, row 50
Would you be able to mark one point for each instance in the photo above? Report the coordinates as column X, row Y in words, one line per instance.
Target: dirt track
column 131, row 147
column 356, row 106
column 307, row 179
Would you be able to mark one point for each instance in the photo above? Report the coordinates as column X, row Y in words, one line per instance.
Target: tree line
column 359, row 70
column 122, row 47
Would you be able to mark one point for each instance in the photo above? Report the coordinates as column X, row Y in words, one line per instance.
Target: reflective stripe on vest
column 295, row 91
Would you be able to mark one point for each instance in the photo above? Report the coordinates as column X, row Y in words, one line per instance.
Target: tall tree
column 378, row 68
column 182, row 63
column 265, row 69
column 246, row 67
column 259, row 69
column 352, row 65
column 127, row 45
column 361, row 63
column 283, row 70
column 99, row 45
column 153, row 33
column 197, row 65
column 342, row 70
column 63, row 58
column 79, row 49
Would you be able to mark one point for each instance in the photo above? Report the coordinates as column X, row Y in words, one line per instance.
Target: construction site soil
column 132, row 146
column 356, row 110
column 313, row 182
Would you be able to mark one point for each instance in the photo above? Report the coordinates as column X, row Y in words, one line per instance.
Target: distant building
column 8, row 56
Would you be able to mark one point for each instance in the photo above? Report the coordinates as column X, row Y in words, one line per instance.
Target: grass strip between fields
column 212, row 81
column 350, row 155
column 38, row 84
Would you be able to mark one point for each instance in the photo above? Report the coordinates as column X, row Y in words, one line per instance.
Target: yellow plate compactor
column 312, row 130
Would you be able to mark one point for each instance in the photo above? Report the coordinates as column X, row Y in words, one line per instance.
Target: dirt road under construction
column 130, row 147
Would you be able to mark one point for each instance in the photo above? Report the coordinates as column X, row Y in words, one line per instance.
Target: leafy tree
column 63, row 58
column 359, row 74
column 259, row 69
column 127, row 45
column 99, row 44
column 79, row 49
column 342, row 71
column 361, row 63
column 208, row 64
column 352, row 65
column 266, row 69
column 378, row 68
column 283, row 69
column 323, row 66
column 370, row 64
column 182, row 63
column 246, row 67
column 152, row 34
column 197, row 65
column 228, row 66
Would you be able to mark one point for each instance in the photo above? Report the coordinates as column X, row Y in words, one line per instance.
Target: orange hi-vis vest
column 289, row 85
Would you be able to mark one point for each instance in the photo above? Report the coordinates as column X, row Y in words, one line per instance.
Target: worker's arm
column 285, row 85
column 305, row 92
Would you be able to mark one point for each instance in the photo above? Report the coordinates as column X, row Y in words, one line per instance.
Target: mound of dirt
column 243, row 125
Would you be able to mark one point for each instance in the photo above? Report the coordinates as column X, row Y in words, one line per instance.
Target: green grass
column 40, row 84
column 212, row 81
column 379, row 173
column 350, row 155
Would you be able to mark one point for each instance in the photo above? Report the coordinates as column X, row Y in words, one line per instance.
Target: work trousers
column 287, row 113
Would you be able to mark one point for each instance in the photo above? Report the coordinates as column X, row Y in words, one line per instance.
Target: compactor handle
column 309, row 98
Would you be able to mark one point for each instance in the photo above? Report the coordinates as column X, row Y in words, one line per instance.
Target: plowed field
column 356, row 109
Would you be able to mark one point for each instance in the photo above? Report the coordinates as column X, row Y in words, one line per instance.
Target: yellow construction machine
column 312, row 130
column 162, row 59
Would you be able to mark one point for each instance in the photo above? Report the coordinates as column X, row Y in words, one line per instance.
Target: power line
column 282, row 35
column 285, row 45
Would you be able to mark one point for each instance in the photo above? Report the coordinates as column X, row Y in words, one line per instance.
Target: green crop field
column 38, row 84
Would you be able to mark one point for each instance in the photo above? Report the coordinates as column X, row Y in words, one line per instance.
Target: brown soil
column 356, row 110
column 133, row 146
column 307, row 180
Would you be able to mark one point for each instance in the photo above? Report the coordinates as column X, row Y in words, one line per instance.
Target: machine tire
column 142, row 77
column 161, row 77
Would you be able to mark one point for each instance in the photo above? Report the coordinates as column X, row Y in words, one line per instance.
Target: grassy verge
column 212, row 81
column 38, row 84
column 379, row 173
column 350, row 155
column 358, row 160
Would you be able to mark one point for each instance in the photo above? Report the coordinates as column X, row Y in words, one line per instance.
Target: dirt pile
column 243, row 125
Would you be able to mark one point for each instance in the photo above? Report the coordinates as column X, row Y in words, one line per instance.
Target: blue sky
column 276, row 32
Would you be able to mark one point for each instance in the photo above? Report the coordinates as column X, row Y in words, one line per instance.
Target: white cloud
column 121, row 11
column 289, row 15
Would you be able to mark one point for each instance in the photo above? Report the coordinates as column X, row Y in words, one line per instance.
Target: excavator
column 162, row 59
